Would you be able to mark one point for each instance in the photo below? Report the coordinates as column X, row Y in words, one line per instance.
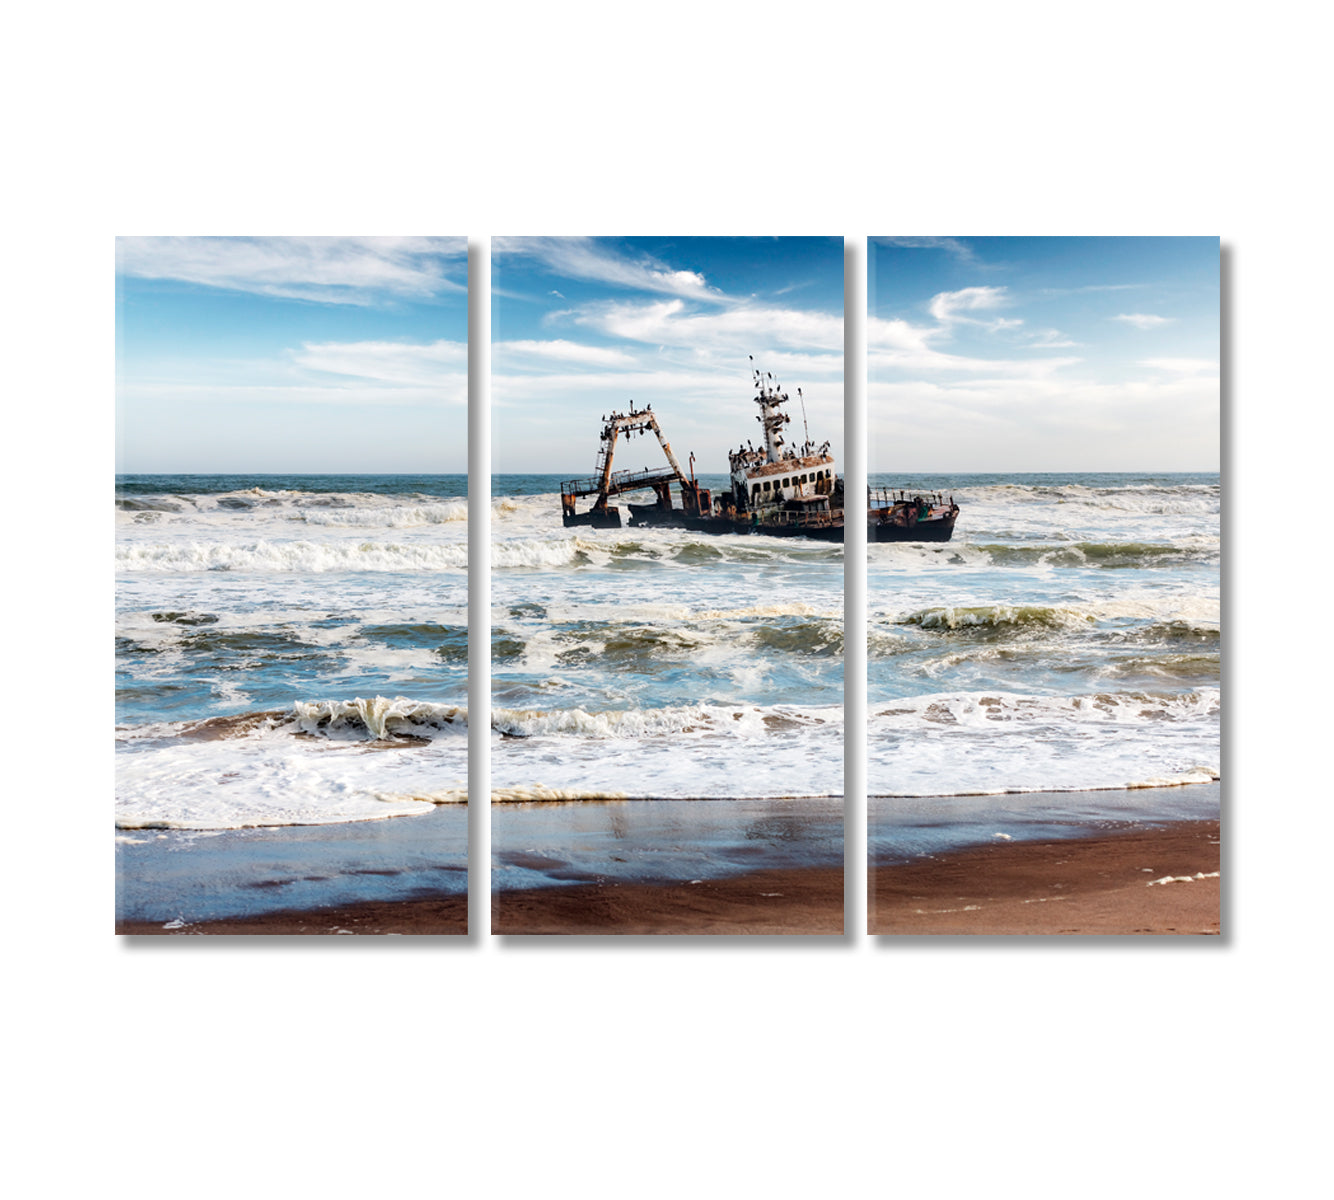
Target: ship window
column 755, row 490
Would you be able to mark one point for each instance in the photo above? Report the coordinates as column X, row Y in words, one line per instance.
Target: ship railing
column 621, row 481
column 802, row 519
column 887, row 497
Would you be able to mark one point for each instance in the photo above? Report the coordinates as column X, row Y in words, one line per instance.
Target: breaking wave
column 537, row 793
column 997, row 618
column 380, row 718
column 303, row 556
column 1149, row 499
column 1107, row 555
column 1098, row 708
column 397, row 517
column 745, row 721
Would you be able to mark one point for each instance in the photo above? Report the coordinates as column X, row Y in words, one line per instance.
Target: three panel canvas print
column 668, row 505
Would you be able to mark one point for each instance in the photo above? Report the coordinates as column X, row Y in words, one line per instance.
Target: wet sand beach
column 668, row 866
column 402, row 875
column 793, row 900
column 1137, row 881
column 436, row 915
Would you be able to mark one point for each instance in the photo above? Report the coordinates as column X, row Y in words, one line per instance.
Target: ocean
column 1066, row 639
column 659, row 663
column 290, row 651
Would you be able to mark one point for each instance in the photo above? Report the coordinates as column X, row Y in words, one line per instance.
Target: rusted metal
column 607, row 482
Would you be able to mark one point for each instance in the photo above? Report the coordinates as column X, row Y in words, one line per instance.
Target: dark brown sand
column 788, row 900
column 1103, row 884
column 434, row 915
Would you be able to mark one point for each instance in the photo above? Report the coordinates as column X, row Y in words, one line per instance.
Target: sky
column 583, row 326
column 291, row 355
column 1043, row 354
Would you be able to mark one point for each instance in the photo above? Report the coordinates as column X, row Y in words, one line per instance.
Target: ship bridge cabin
column 774, row 484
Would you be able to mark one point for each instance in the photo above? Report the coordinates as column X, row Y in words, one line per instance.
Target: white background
column 194, row 1067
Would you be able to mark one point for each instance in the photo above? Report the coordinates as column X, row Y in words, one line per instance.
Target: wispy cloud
column 587, row 259
column 900, row 345
column 960, row 250
column 407, row 363
column 1142, row 320
column 328, row 270
column 559, row 350
column 1047, row 339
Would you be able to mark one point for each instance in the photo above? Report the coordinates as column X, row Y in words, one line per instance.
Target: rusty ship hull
column 931, row 529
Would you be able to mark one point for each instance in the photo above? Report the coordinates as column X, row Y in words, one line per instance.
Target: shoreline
column 445, row 915
column 780, row 900
column 1137, row 881
column 670, row 867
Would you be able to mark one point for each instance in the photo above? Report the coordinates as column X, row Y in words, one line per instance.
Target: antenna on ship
column 804, row 427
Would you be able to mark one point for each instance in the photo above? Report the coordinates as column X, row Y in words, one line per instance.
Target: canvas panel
column 1043, row 585
column 667, row 680
column 291, row 585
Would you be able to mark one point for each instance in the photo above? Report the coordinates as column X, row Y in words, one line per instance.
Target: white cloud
column 897, row 334
column 332, row 270
column 948, row 306
column 1142, row 320
column 585, row 258
column 560, row 351
column 884, row 363
column 744, row 329
column 895, row 345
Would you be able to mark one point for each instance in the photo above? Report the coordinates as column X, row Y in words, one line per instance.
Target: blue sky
column 239, row 354
column 1043, row 354
column 582, row 326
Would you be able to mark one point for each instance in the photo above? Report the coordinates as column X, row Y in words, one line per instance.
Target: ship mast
column 772, row 417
